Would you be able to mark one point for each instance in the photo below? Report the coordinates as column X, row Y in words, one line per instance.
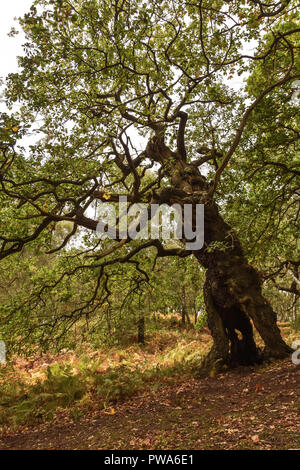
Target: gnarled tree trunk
column 233, row 294
column 232, row 290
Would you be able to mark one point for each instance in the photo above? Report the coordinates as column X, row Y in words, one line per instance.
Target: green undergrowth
column 77, row 381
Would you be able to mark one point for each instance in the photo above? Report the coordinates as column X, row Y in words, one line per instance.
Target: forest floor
column 247, row 408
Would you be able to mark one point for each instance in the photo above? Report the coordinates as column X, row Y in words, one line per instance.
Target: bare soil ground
column 247, row 408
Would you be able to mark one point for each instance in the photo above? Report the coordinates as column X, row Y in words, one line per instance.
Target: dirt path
column 243, row 409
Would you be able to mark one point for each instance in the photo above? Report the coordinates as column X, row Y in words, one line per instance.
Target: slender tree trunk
column 141, row 329
column 108, row 321
column 184, row 314
column 195, row 313
column 294, row 308
column 232, row 290
column 141, row 318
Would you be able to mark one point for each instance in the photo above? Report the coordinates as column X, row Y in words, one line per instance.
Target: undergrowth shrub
column 83, row 381
column 295, row 324
column 201, row 322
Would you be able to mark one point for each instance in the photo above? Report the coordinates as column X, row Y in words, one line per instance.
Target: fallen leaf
column 259, row 388
column 255, row 439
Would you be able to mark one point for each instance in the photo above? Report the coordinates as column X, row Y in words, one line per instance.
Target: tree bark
column 141, row 329
column 184, row 311
column 232, row 290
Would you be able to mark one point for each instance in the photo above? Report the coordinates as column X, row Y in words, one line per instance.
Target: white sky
column 10, row 48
